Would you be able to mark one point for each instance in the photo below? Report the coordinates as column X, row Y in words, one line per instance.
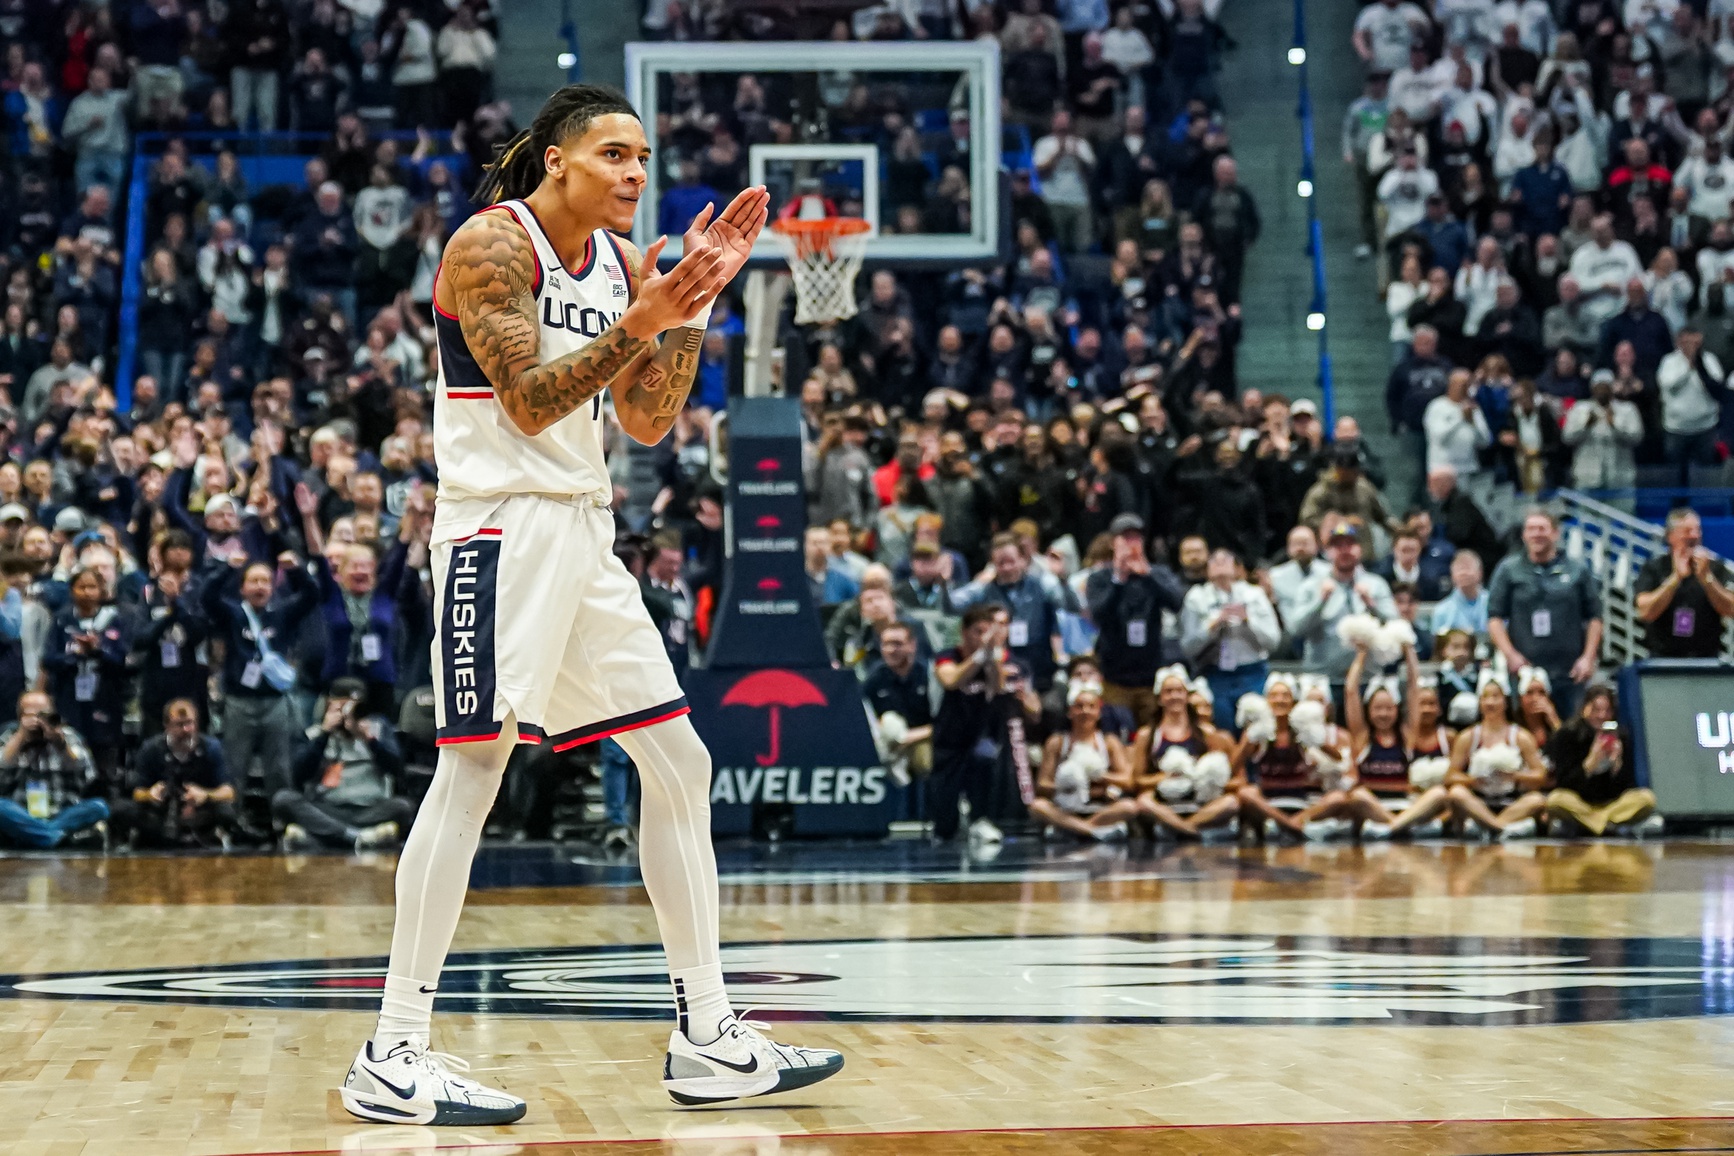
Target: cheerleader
column 1167, row 753
column 1085, row 785
column 1272, row 763
column 1494, row 764
column 1380, row 743
column 1535, row 710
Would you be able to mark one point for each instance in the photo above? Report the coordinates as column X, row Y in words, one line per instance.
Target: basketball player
column 540, row 632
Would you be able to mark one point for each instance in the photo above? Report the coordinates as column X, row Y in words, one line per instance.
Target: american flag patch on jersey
column 614, row 272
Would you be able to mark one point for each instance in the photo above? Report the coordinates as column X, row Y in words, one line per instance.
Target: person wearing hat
column 1603, row 434
column 1126, row 600
column 1228, row 630
column 1322, row 602
column 1344, row 489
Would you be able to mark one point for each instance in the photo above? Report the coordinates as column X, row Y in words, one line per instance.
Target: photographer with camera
column 181, row 791
column 343, row 775
column 46, row 778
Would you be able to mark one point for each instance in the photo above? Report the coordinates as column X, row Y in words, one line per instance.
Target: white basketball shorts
column 536, row 620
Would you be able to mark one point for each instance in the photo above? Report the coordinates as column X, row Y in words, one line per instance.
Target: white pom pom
column 1390, row 639
column 1465, row 708
column 1071, row 786
column 1174, row 788
column 1252, row 714
column 1308, row 721
column 893, row 728
column 1210, row 774
column 1428, row 772
column 1357, row 630
column 1333, row 772
column 1175, row 761
column 1093, row 761
column 1493, row 767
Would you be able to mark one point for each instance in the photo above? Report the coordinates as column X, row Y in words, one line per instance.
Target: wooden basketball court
column 1396, row 999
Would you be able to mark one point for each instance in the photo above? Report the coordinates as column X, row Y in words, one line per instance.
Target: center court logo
column 1113, row 979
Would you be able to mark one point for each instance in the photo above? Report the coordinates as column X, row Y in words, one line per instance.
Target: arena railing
column 265, row 159
column 1616, row 544
column 1317, row 311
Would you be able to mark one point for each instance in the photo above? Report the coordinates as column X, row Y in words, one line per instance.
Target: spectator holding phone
column 1594, row 785
column 1126, row 601
column 85, row 661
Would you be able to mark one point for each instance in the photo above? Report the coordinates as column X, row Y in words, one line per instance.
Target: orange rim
column 817, row 235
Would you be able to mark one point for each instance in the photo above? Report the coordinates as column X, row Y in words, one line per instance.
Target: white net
column 824, row 260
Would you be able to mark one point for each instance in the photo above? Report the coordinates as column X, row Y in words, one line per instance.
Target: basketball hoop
column 824, row 257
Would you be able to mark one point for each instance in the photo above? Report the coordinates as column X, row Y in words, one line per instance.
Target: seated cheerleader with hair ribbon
column 1085, row 786
column 1180, row 763
column 1494, row 764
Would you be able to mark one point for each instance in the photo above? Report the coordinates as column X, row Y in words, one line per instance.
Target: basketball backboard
column 877, row 129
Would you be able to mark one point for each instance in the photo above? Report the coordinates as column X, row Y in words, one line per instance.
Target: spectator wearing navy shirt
column 1543, row 193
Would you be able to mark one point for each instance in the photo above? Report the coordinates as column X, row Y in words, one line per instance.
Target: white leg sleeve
column 679, row 866
column 433, row 873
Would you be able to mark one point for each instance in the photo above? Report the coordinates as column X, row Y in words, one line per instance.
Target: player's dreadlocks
column 518, row 168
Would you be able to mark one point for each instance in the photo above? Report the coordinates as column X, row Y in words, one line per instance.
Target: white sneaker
column 411, row 1085
column 377, row 836
column 983, row 831
column 1522, row 829
column 1375, row 832
column 1651, row 827
column 1113, row 833
column 1323, row 830
column 742, row 1062
column 296, row 840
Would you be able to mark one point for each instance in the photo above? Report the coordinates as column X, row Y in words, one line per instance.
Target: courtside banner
column 797, row 738
column 766, row 616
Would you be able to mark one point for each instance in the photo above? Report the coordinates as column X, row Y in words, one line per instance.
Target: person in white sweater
column 1403, row 292
column 1708, row 180
column 1602, row 268
column 1603, row 433
column 1456, row 428
column 1478, row 283
column 1691, row 384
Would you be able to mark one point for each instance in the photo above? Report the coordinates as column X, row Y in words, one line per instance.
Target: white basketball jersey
column 481, row 453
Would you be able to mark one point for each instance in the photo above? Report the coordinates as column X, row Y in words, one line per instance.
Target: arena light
column 566, row 60
column 1297, row 55
column 1304, row 187
column 1315, row 321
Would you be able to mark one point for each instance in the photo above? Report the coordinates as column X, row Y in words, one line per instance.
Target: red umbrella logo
column 776, row 690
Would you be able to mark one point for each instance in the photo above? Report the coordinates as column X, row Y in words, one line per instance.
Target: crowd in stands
column 1547, row 188
column 242, row 544
column 1062, row 547
column 1035, row 486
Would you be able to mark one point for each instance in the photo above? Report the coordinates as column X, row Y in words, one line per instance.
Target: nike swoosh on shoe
column 401, row 1094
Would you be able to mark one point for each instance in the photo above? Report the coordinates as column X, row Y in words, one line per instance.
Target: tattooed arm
column 655, row 386
column 489, row 279
column 649, row 393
